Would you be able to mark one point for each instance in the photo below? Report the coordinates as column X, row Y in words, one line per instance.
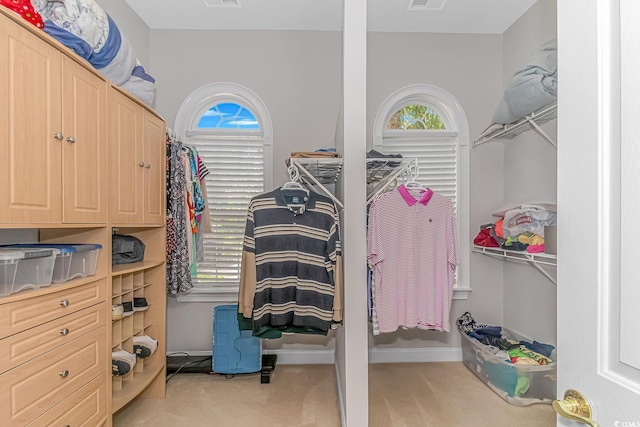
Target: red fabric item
column 499, row 231
column 484, row 239
column 25, row 9
column 534, row 249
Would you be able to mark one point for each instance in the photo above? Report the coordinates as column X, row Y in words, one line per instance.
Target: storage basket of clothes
column 521, row 371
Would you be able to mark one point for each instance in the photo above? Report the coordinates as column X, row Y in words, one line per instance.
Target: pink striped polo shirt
column 412, row 247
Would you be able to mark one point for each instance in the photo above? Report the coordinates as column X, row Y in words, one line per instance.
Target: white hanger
column 412, row 184
column 293, row 183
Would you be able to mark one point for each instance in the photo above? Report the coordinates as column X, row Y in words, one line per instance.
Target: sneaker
column 117, row 312
column 140, row 304
column 127, row 308
column 122, row 362
column 145, row 344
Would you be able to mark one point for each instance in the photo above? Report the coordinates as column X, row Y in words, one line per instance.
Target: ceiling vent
column 222, row 3
column 426, row 5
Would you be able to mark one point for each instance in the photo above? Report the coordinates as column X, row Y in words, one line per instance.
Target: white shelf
column 511, row 130
column 535, row 259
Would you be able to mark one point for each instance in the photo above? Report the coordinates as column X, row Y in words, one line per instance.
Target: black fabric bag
column 126, row 249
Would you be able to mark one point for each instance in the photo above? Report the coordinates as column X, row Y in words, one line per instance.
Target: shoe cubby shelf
column 146, row 280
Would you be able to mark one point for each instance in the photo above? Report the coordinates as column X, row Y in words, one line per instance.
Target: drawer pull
column 59, row 136
column 64, row 303
column 64, row 374
column 71, row 139
column 64, row 331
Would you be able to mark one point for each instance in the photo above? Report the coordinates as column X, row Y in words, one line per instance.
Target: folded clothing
column 382, row 159
column 315, row 154
column 25, row 9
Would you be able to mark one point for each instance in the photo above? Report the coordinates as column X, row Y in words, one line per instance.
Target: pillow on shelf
column 532, row 87
column 84, row 27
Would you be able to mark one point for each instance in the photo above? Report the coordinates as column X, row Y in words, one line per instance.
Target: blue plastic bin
column 234, row 351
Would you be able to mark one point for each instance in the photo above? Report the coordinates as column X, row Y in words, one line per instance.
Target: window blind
column 236, row 166
column 436, row 155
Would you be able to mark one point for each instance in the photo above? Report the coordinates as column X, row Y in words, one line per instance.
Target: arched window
column 231, row 130
column 427, row 123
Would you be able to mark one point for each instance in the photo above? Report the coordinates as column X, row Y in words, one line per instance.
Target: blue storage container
column 234, row 351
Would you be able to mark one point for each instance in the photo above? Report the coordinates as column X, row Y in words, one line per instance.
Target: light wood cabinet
column 52, row 131
column 136, row 162
column 80, row 159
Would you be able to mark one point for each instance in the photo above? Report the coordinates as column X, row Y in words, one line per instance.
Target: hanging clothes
column 291, row 264
column 412, row 248
column 178, row 274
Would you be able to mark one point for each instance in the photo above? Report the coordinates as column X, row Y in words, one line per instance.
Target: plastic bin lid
column 64, row 248
column 25, row 253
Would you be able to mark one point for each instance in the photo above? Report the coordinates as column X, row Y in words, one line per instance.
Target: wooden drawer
column 29, row 390
column 20, row 315
column 86, row 407
column 20, row 348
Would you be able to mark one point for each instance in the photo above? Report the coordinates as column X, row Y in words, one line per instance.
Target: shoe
column 122, row 362
column 127, row 308
column 140, row 304
column 144, row 346
column 117, row 312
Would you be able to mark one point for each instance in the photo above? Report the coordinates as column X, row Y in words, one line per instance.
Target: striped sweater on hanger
column 291, row 261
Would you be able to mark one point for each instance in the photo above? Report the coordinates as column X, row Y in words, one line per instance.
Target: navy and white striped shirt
column 291, row 249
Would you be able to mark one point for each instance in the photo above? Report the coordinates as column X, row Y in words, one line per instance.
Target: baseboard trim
column 303, row 357
column 343, row 414
column 376, row 355
column 285, row 357
column 400, row 355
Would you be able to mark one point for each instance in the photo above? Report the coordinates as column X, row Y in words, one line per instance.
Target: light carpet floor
column 442, row 394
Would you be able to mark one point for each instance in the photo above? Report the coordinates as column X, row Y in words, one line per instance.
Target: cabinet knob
column 64, row 374
column 71, row 140
column 141, row 164
column 64, row 303
column 64, row 331
column 59, row 136
column 148, row 166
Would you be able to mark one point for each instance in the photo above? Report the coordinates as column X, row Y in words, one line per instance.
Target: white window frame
column 456, row 123
column 187, row 119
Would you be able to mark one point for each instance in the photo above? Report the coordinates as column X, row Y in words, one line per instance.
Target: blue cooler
column 234, row 351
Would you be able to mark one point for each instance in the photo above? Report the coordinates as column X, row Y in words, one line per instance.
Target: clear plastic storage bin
column 520, row 385
column 72, row 260
column 25, row 268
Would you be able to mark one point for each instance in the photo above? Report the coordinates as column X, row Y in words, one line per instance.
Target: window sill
column 461, row 293
column 229, row 294
column 219, row 294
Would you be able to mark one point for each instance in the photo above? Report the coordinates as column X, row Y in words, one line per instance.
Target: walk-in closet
column 319, row 212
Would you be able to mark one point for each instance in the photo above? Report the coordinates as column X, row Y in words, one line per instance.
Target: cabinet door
column 29, row 120
column 126, row 163
column 84, row 149
column 154, row 177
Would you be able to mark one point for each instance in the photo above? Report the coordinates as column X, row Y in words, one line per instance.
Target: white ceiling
column 456, row 16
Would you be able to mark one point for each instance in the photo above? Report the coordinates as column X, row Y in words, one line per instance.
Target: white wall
column 470, row 68
column 297, row 74
column 530, row 171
